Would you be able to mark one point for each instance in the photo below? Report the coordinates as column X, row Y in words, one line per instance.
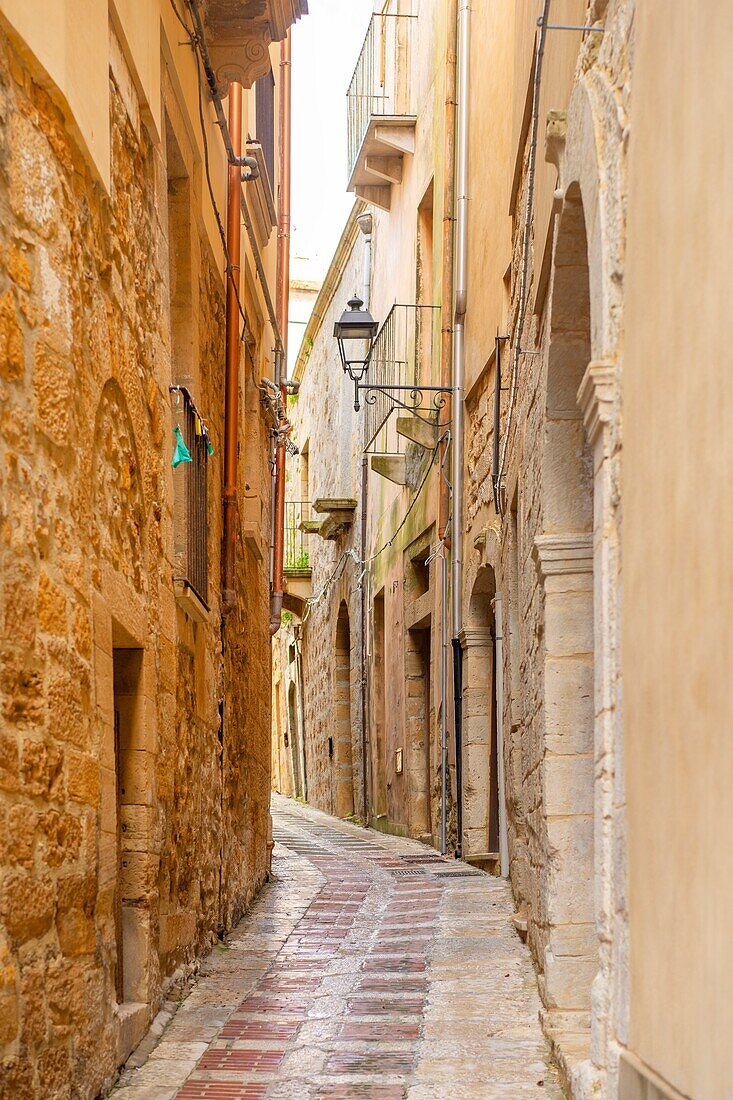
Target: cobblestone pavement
column 368, row 967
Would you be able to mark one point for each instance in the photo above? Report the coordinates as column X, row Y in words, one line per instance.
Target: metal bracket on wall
column 570, row 27
column 415, row 402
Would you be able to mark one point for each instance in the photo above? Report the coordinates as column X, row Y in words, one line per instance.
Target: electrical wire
column 341, row 563
column 526, row 240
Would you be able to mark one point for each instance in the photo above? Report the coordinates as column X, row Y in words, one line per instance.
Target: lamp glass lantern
column 355, row 331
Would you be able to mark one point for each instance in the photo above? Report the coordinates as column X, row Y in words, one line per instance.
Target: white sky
column 325, row 47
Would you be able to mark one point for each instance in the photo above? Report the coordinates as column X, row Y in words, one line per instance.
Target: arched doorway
column 343, row 768
column 564, row 551
column 480, row 765
column 294, row 738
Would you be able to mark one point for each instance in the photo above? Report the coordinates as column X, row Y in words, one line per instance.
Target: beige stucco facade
column 594, row 601
column 134, row 722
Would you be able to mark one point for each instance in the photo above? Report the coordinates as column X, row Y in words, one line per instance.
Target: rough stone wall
column 323, row 416
column 86, row 565
column 565, row 828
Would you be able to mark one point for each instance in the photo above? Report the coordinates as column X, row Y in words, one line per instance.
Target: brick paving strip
column 367, row 968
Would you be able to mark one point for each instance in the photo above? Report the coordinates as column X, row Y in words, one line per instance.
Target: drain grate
column 408, row 872
column 457, row 874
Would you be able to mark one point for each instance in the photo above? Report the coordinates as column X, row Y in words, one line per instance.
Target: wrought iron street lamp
column 355, row 331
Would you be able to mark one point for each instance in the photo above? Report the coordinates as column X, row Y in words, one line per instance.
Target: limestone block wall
column 134, row 753
column 553, row 555
column 326, row 426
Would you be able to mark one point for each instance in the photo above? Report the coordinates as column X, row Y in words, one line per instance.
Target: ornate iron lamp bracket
column 423, row 401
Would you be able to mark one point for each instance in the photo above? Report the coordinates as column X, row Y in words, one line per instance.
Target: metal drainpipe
column 231, row 384
column 446, row 297
column 464, row 28
column 501, row 779
column 444, row 689
column 283, row 293
column 365, row 224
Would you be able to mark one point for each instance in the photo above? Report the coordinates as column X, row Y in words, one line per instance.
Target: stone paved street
column 369, row 967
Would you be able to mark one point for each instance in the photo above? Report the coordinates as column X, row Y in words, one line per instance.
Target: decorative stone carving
column 562, row 554
column 597, row 397
column 118, row 499
column 239, row 36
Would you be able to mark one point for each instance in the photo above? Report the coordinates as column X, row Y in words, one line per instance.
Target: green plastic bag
column 181, row 453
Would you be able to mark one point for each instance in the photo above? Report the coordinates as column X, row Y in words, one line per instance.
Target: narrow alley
column 368, row 967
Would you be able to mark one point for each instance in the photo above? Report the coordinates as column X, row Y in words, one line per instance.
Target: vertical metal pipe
column 446, row 296
column 444, row 699
column 365, row 224
column 231, row 382
column 464, row 26
column 501, row 779
column 283, row 293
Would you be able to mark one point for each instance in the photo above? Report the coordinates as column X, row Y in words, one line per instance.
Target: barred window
column 191, row 502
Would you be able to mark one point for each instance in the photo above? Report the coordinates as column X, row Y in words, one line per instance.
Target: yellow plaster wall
column 677, row 546
column 138, row 25
column 69, row 39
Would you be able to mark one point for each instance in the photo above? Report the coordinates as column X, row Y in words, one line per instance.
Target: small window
column 265, row 122
column 191, row 480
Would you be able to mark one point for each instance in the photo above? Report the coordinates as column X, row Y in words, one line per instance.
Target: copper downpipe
column 282, row 302
column 446, row 296
column 231, row 382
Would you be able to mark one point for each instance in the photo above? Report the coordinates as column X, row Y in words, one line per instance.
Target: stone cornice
column 597, row 397
column 475, row 636
column 239, row 33
column 562, row 554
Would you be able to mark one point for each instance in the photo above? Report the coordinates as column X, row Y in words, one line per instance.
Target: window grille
column 192, row 513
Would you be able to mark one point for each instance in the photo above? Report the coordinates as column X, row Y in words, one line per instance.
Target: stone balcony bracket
column 379, row 163
column 338, row 515
column 239, row 36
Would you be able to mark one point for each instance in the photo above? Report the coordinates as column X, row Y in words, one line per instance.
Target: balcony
column 296, row 556
column 401, row 426
column 381, row 112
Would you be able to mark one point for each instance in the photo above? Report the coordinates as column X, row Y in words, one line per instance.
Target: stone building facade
column 317, row 738
column 134, row 721
column 579, row 346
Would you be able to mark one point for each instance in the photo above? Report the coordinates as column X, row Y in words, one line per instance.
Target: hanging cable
column 526, row 242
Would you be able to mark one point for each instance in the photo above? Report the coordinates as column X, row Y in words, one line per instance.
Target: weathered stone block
column 42, row 768
column 568, row 785
column 53, row 392
column 570, row 870
column 27, row 905
column 83, row 778
column 12, row 352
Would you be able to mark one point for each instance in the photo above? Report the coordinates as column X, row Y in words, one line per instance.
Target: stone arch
column 564, row 552
column 342, row 726
column 117, row 489
column 294, row 738
column 480, row 763
column 591, row 167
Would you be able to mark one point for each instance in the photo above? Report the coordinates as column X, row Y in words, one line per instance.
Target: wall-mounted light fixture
column 355, row 331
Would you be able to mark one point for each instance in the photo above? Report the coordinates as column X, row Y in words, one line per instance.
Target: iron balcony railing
column 406, row 348
column 381, row 84
column 297, row 556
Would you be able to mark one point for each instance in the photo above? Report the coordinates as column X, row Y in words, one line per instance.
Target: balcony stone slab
column 338, row 516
